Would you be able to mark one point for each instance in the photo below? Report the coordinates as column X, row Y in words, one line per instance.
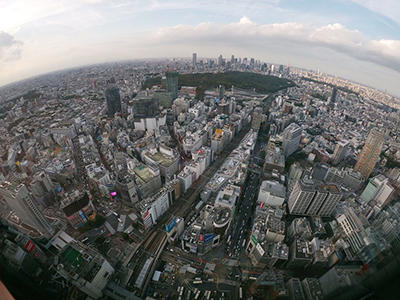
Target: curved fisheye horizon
column 172, row 60
column 335, row 37
column 199, row 149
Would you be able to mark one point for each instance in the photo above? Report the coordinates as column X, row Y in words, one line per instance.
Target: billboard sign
column 168, row 227
column 29, row 246
column 82, row 215
column 208, row 237
column 260, row 249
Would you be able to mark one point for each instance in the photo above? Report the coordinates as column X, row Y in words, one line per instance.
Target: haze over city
column 337, row 37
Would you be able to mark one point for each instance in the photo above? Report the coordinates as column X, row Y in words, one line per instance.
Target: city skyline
column 336, row 37
column 209, row 149
column 215, row 180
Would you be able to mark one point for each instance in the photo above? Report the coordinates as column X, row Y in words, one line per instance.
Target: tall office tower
column 221, row 91
column 291, row 139
column 340, row 152
column 194, row 60
column 251, row 62
column 370, row 153
column 295, row 173
column 113, row 100
column 21, row 202
column 172, row 83
column 145, row 107
column 333, row 196
column 378, row 189
column 310, row 199
column 232, row 59
column 301, row 196
column 220, row 60
column 332, row 99
column 354, row 230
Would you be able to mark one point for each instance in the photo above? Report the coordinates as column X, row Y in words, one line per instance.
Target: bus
column 197, row 295
column 197, row 282
column 181, row 292
column 240, row 293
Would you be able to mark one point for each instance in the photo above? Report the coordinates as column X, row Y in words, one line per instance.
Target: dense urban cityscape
column 256, row 181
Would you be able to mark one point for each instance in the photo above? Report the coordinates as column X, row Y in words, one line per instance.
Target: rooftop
column 163, row 160
column 143, row 172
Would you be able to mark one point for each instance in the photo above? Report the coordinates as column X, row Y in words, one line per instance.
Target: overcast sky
column 358, row 40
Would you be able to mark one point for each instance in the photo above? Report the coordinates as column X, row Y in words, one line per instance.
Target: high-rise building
column 221, row 91
column 194, row 60
column 113, row 100
column 145, row 107
column 353, row 180
column 126, row 186
column 372, row 188
column 21, row 202
column 258, row 118
column 220, row 60
column 308, row 198
column 340, row 152
column 332, row 99
column 355, row 233
column 333, row 196
column 301, row 196
column 295, row 289
column 295, row 173
column 172, row 83
column 370, row 153
column 378, row 189
column 291, row 139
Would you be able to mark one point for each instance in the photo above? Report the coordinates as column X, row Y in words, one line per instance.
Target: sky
column 354, row 39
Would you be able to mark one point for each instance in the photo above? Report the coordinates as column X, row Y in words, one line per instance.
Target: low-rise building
column 78, row 208
column 84, row 268
column 271, row 193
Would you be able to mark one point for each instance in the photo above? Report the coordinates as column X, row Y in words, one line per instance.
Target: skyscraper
column 172, row 83
column 113, row 100
column 291, row 139
column 145, row 107
column 194, row 60
column 301, row 196
column 308, row 198
column 332, row 99
column 21, row 202
column 370, row 153
column 221, row 91
column 220, row 60
column 378, row 189
column 340, row 151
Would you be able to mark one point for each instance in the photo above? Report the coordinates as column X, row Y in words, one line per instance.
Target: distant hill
column 262, row 84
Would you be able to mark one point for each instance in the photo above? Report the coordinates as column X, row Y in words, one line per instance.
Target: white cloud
column 247, row 34
column 10, row 48
column 387, row 8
